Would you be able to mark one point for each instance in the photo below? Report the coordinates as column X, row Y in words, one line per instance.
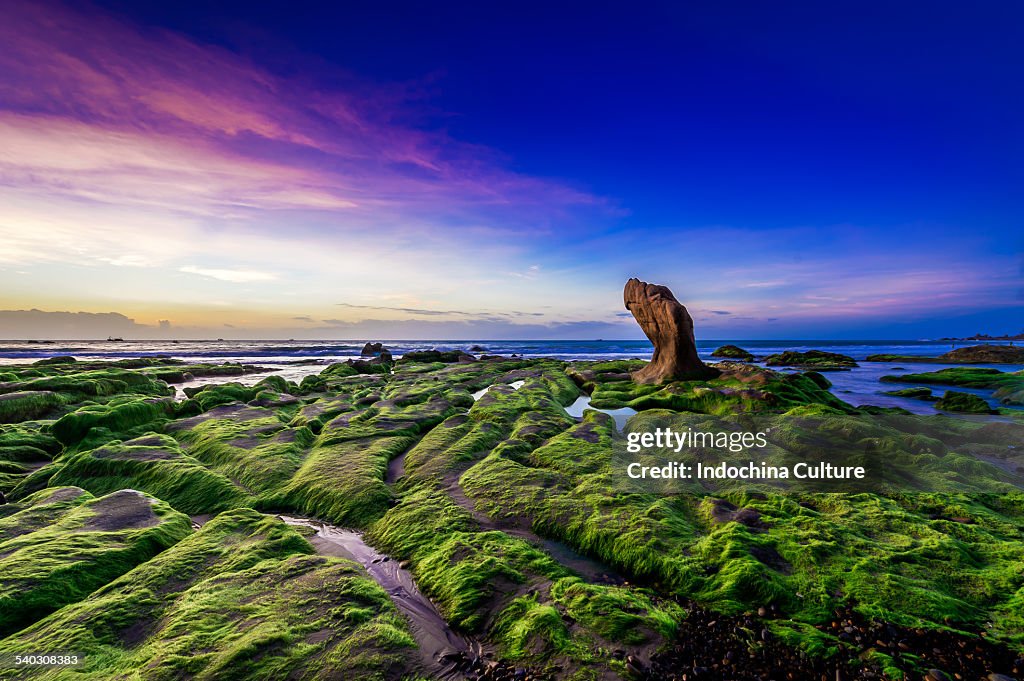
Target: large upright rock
column 670, row 328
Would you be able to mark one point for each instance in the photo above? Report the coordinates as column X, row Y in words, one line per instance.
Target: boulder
column 669, row 327
column 965, row 403
column 985, row 354
column 812, row 359
column 733, row 352
column 447, row 356
column 372, row 349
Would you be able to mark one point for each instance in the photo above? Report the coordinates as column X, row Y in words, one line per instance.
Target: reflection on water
column 435, row 639
column 620, row 416
column 515, row 385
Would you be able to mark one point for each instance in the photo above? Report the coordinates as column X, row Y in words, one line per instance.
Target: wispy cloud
column 424, row 312
column 234, row 276
column 96, row 108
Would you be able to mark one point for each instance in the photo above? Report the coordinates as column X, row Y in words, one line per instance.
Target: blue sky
column 814, row 170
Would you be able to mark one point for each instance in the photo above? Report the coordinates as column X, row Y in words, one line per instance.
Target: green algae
column 122, row 415
column 25, row 405
column 1009, row 386
column 739, row 388
column 241, row 598
column 153, row 464
column 343, row 482
column 84, row 543
column 915, row 393
column 480, row 478
column 966, row 403
column 733, row 352
column 811, row 359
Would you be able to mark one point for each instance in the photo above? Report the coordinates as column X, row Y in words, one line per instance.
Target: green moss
column 215, row 395
column 121, row 415
column 812, row 359
column 251, row 447
column 27, row 404
column 915, row 393
column 153, row 464
column 1009, row 387
column 986, row 354
column 86, row 543
column 429, row 356
column 343, row 482
column 733, row 352
column 963, row 402
column 338, row 370
column 487, row 485
column 240, row 599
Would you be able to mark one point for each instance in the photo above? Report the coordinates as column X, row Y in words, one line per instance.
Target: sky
column 498, row 170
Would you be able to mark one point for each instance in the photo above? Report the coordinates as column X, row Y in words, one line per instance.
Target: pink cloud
column 149, row 113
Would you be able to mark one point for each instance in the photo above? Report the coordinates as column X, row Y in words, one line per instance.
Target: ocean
column 295, row 359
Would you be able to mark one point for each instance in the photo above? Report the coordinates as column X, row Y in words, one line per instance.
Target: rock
column 1000, row 677
column 59, row 359
column 380, row 364
column 669, row 327
column 447, row 356
column 937, row 675
column 812, row 359
column 733, row 352
column 372, row 349
column 965, row 403
column 915, row 393
column 985, row 354
column 478, row 348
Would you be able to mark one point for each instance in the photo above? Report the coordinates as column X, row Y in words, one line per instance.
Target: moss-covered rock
column 153, row 464
column 26, row 405
column 966, row 403
column 914, row 393
column 243, row 598
column 733, row 352
column 812, row 359
column 512, row 516
column 122, row 416
column 1008, row 387
column 60, row 544
column 985, row 354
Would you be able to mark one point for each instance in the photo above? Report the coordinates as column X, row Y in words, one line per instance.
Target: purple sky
column 278, row 188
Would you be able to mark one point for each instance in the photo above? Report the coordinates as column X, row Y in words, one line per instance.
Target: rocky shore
column 146, row 532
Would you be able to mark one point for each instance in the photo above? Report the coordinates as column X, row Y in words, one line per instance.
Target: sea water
column 295, row 359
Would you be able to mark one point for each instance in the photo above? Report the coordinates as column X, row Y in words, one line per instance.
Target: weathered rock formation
column 733, row 352
column 371, row 349
column 818, row 360
column 985, row 354
column 669, row 326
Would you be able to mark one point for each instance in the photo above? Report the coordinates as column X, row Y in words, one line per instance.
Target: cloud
column 763, row 284
column 128, row 260
column 720, row 312
column 513, row 314
column 234, row 276
column 303, row 318
column 530, row 272
column 96, row 108
column 30, row 324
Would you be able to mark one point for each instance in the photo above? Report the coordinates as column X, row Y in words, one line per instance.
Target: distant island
column 986, row 337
